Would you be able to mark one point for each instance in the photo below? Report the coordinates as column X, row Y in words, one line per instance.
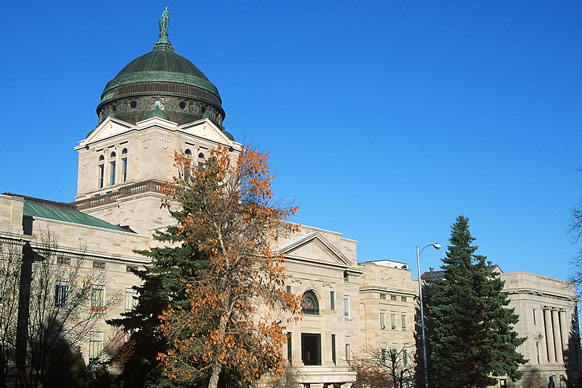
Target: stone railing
column 126, row 191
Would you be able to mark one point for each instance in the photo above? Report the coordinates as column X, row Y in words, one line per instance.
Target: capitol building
column 161, row 103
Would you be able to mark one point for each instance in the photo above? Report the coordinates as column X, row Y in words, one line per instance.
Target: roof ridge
column 45, row 201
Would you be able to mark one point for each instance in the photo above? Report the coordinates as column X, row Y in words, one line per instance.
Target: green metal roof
column 62, row 213
column 160, row 66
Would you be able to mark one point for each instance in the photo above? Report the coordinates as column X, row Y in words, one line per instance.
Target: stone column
column 296, row 341
column 565, row 332
column 548, row 333
column 557, row 339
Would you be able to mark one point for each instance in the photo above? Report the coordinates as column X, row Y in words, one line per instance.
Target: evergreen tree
column 473, row 337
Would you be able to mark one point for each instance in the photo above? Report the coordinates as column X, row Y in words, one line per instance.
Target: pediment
column 314, row 247
column 207, row 130
column 108, row 128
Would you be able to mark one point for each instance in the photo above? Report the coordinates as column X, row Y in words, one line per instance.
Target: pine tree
column 473, row 336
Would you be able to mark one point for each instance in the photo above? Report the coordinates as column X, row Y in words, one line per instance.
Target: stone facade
column 548, row 318
column 388, row 296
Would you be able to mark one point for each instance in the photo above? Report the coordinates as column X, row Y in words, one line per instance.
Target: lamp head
column 436, row 246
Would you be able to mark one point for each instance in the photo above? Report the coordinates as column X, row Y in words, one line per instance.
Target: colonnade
column 556, row 334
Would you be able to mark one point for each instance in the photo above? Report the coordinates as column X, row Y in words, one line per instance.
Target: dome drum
column 180, row 110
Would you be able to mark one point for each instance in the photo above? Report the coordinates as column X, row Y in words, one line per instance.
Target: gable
column 108, row 128
column 206, row 130
column 315, row 248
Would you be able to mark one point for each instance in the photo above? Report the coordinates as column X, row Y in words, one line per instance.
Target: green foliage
column 473, row 336
column 161, row 286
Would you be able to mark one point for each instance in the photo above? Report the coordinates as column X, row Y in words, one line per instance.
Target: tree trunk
column 216, row 368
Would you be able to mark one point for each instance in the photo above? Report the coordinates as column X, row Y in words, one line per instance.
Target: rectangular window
column 97, row 299
column 348, row 349
column 289, row 349
column 392, row 297
column 124, row 169
column 405, row 356
column 101, row 175
column 112, row 173
column 538, row 351
column 130, row 299
column 62, row 294
column 383, row 320
column 382, row 295
column 288, row 289
column 393, row 321
column 311, row 349
column 95, row 345
column 332, row 300
column 534, row 316
column 333, row 348
column 383, row 354
column 503, row 383
column 403, row 318
column 403, row 298
column 346, row 307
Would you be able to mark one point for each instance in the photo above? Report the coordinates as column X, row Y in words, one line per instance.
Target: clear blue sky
column 384, row 119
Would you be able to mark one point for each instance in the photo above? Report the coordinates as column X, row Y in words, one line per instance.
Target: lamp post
column 418, row 252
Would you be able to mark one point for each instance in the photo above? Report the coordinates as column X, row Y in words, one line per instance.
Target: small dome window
column 133, row 104
column 182, row 105
column 101, row 158
column 112, row 155
column 201, row 156
column 188, row 152
column 310, row 304
column 124, row 151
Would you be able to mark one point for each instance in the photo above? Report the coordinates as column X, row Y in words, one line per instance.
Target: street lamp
column 418, row 252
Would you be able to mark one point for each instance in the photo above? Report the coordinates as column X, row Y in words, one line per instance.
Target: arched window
column 124, row 165
column 101, row 172
column 188, row 154
column 310, row 304
column 112, row 167
column 201, row 159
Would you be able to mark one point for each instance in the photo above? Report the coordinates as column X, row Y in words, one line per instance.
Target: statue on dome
column 164, row 23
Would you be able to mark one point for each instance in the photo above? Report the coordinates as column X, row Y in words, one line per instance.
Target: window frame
column 95, row 346
column 313, row 308
column 97, row 298
column 346, row 306
column 332, row 300
column 112, row 168
column 130, row 299
column 62, row 298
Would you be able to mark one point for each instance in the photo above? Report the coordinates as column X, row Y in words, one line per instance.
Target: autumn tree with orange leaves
column 238, row 309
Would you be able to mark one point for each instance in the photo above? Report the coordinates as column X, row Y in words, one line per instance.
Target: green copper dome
column 161, row 75
column 159, row 66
